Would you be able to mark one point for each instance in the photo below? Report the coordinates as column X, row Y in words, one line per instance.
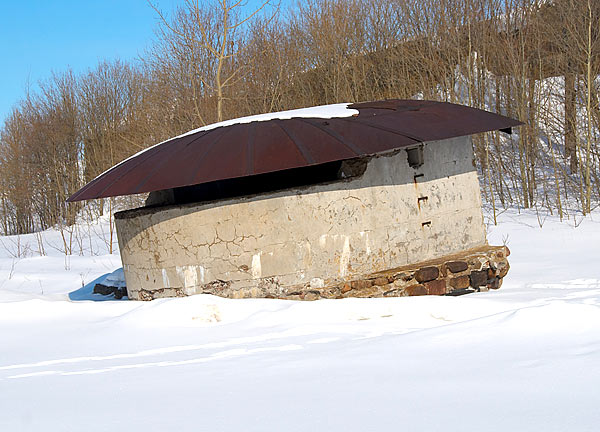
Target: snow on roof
column 322, row 111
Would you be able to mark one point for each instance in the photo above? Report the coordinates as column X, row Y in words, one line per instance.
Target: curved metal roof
column 258, row 147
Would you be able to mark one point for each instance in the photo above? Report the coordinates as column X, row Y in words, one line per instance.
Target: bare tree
column 532, row 59
column 207, row 39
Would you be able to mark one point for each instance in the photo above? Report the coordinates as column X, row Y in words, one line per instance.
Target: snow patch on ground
column 522, row 358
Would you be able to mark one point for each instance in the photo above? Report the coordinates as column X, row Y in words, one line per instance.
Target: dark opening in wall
column 260, row 183
column 415, row 156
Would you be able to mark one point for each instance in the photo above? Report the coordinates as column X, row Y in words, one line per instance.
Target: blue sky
column 41, row 36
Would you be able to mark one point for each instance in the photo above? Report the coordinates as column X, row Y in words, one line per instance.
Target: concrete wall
column 309, row 236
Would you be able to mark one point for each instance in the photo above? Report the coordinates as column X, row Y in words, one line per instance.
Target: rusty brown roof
column 260, row 147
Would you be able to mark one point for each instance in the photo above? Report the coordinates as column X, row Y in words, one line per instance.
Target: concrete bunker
column 394, row 210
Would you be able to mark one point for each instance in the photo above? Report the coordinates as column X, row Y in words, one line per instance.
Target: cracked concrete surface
column 310, row 235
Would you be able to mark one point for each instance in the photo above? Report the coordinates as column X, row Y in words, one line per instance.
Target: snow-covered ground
column 524, row 358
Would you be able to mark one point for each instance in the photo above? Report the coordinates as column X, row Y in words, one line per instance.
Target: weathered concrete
column 391, row 216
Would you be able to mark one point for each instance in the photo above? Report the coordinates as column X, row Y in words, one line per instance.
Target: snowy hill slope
column 522, row 358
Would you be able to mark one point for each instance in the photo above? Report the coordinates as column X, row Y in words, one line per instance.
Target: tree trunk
column 570, row 122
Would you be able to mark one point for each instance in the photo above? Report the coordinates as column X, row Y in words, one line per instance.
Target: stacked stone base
column 473, row 270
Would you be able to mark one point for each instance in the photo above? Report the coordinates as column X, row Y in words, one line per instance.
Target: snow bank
column 522, row 358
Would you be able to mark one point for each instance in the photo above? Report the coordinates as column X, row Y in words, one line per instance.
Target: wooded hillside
column 537, row 61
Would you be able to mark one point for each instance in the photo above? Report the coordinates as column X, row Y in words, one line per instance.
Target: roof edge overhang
column 289, row 139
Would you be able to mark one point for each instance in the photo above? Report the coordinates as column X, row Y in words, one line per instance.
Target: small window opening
column 415, row 156
column 261, row 183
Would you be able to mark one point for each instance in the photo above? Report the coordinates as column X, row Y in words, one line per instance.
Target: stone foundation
column 478, row 269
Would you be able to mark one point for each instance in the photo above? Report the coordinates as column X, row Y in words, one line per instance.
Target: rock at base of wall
column 118, row 292
column 473, row 270
column 112, row 284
